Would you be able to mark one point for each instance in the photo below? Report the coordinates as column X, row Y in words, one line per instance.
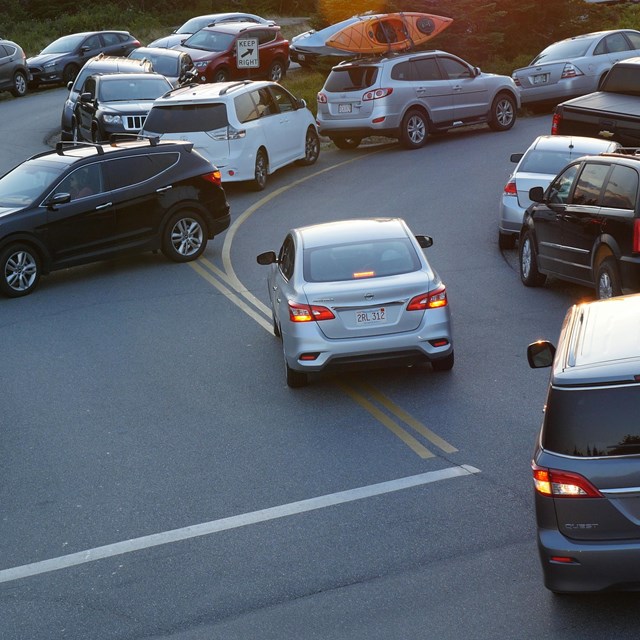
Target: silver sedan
column 353, row 293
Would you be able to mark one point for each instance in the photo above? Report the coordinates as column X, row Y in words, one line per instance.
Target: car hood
column 43, row 58
column 6, row 211
column 141, row 106
column 199, row 54
column 168, row 42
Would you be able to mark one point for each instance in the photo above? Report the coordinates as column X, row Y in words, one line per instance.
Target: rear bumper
column 560, row 91
column 598, row 566
column 511, row 215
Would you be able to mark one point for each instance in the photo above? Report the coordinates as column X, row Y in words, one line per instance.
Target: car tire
column 184, row 237
column 21, row 269
column 443, row 364
column 415, row 129
column 295, row 379
column 503, row 112
column 221, row 75
column 529, row 273
column 346, row 143
column 506, row 240
column 260, row 171
column 69, row 74
column 19, row 84
column 608, row 279
column 277, row 71
column 311, row 147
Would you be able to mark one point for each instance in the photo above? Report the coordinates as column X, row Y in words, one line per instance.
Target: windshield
column 565, row 50
column 26, row 183
column 210, row 41
column 64, row 44
column 143, row 88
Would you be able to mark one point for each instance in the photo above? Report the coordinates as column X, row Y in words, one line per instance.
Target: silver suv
column 586, row 463
column 405, row 96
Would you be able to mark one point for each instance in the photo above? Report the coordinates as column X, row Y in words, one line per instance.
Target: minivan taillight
column 376, row 93
column 562, row 484
column 214, row 176
column 636, row 236
column 227, row 133
column 307, row 313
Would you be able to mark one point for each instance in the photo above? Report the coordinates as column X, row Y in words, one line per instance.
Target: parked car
column 97, row 203
column 116, row 103
column 585, row 227
column 356, row 293
column 407, row 96
column 193, row 25
column 173, row 65
column 14, row 71
column 538, row 166
column 99, row 64
column 586, row 462
column 213, row 51
column 60, row 61
column 249, row 129
column 575, row 66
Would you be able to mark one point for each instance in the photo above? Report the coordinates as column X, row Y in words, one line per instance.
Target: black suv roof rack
column 74, row 144
column 115, row 137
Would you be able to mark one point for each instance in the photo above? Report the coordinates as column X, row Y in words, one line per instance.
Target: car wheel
column 506, row 240
column 221, row 75
column 346, row 143
column 414, row 130
column 21, row 270
column 19, row 84
column 69, row 74
column 261, row 170
column 608, row 280
column 295, row 379
column 311, row 147
column 443, row 364
column 529, row 273
column 184, row 237
column 276, row 71
column 503, row 112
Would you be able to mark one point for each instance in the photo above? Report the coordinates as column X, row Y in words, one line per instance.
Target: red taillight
column 376, row 93
column 510, row 188
column 562, row 484
column 307, row 313
column 214, row 176
column 570, row 71
column 555, row 124
column 321, row 98
column 636, row 236
column 430, row 300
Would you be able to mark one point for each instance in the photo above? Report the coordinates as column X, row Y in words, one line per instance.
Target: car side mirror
column 424, row 241
column 476, row 71
column 69, row 85
column 302, row 103
column 536, row 194
column 268, row 257
column 516, row 157
column 57, row 199
column 540, row 354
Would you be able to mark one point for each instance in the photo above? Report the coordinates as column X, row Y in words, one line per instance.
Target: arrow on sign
column 248, row 52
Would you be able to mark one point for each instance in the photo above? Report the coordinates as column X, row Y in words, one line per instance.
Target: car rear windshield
column 550, row 162
column 185, row 118
column 357, row 260
column 622, row 80
column 564, row 50
column 351, row 79
column 593, row 422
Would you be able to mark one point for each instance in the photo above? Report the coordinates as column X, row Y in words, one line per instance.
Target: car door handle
column 104, row 206
column 163, row 189
column 457, row 88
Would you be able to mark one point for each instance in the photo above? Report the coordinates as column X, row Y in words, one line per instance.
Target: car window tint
column 264, row 35
column 4, row 51
column 92, row 43
column 593, row 422
column 184, row 118
column 264, row 103
column 352, row 79
column 538, row 161
column 111, row 39
column 560, row 188
column 622, row 80
column 634, row 38
column 357, row 260
column 454, row 69
column 282, row 98
column 403, row 71
column 83, row 182
column 286, row 257
column 427, row 69
column 616, row 42
column 564, row 50
column 621, row 191
column 124, row 172
column 90, row 86
column 590, row 183
column 246, row 109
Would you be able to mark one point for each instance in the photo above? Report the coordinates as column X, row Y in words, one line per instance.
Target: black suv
column 84, row 203
column 585, row 227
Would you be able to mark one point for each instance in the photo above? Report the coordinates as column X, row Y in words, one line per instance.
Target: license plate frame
column 541, row 78
column 368, row 317
column 345, row 107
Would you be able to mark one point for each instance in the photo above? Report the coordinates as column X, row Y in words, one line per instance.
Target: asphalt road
column 159, row 480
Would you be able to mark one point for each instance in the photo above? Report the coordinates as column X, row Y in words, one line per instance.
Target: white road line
column 215, row 526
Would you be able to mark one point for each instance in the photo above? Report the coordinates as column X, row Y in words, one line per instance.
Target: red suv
column 226, row 52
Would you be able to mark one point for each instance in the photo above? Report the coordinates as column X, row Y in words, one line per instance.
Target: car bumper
column 339, row 354
column 559, row 91
column 511, row 215
column 380, row 122
column 598, row 566
column 45, row 77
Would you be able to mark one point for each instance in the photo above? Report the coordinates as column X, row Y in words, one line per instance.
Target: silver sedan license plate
column 371, row 316
column 541, row 79
column 344, row 108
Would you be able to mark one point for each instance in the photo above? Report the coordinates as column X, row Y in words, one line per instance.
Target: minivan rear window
column 351, row 79
column 185, row 118
column 593, row 422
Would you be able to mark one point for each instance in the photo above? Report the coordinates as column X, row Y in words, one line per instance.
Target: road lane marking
column 233, row 522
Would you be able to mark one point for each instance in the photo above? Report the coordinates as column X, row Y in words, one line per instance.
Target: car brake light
column 555, row 123
column 570, row 71
column 376, row 93
column 430, row 300
column 322, row 98
column 307, row 313
column 510, row 188
column 636, row 236
column 215, row 176
column 562, row 484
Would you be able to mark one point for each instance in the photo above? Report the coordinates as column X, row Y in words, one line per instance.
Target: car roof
column 600, row 343
column 239, row 26
column 109, row 62
column 210, row 91
column 388, row 57
column 145, row 77
column 159, row 51
column 578, row 144
column 360, row 229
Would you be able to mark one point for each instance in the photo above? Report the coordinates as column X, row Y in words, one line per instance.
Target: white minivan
column 248, row 129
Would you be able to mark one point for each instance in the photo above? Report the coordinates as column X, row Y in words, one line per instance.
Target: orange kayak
column 379, row 33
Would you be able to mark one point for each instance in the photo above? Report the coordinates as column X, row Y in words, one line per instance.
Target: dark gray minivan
column 586, row 463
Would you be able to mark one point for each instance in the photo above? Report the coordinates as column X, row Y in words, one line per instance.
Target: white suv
column 248, row 129
column 408, row 95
